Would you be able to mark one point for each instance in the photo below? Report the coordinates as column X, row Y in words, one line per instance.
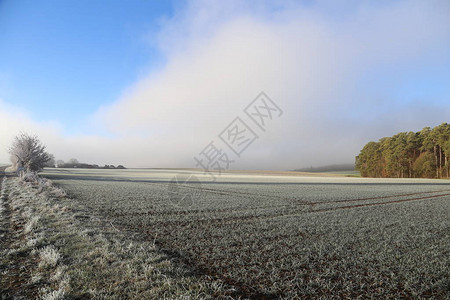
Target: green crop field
column 275, row 236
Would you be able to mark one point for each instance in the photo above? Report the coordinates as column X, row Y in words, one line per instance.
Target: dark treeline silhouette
column 423, row 154
column 328, row 168
column 73, row 163
column 89, row 166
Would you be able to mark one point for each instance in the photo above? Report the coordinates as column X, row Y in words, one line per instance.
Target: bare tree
column 27, row 152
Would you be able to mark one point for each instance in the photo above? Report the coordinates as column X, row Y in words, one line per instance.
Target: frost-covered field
column 277, row 235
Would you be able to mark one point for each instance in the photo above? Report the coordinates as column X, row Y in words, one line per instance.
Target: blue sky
column 150, row 83
column 61, row 60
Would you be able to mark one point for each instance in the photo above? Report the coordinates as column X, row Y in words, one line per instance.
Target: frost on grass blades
column 289, row 237
column 184, row 189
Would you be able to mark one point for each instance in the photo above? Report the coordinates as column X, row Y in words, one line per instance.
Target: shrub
column 28, row 153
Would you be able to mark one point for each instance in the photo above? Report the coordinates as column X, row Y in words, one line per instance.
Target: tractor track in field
column 303, row 202
column 382, row 203
column 283, row 213
column 230, row 220
column 246, row 290
column 227, row 192
column 383, row 197
column 250, row 194
column 271, row 229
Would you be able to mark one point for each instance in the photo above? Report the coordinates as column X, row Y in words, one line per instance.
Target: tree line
column 74, row 163
column 28, row 154
column 423, row 154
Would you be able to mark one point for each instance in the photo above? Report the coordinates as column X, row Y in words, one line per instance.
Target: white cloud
column 221, row 54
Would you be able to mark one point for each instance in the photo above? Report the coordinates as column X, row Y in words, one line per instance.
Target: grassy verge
column 52, row 249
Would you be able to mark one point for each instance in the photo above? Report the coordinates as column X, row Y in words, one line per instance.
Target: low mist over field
column 154, row 87
column 237, row 149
